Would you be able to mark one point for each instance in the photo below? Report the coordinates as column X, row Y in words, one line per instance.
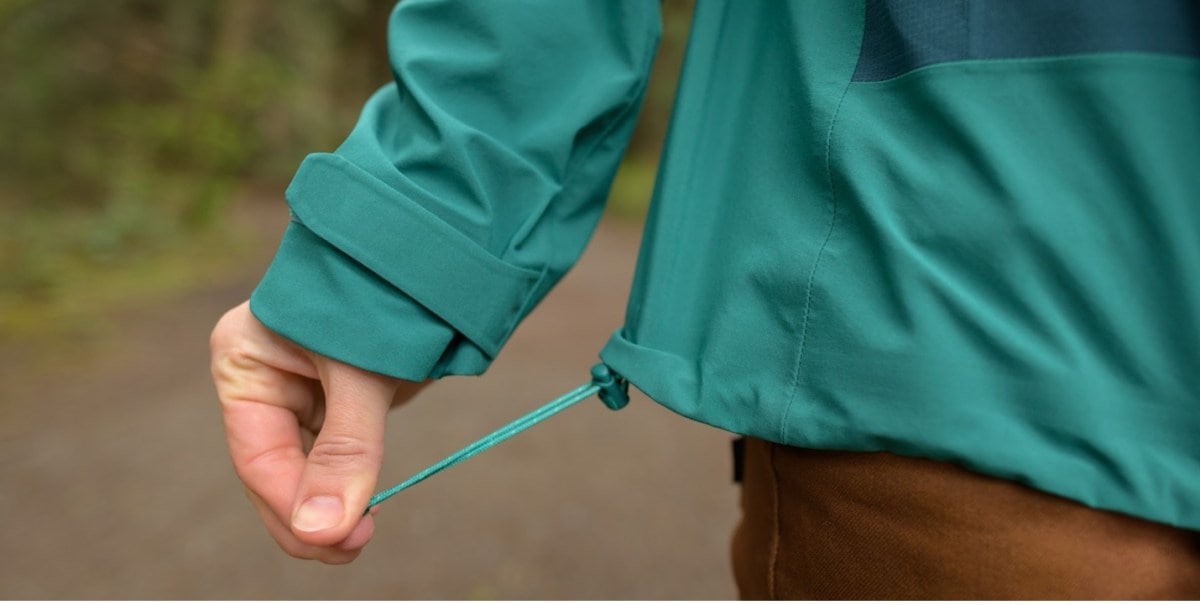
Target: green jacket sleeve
column 468, row 187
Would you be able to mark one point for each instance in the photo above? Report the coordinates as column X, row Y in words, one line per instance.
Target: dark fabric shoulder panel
column 902, row 35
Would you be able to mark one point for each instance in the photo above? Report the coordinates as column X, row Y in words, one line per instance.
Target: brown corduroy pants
column 840, row 525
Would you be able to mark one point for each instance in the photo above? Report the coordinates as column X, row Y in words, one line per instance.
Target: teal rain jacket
column 966, row 231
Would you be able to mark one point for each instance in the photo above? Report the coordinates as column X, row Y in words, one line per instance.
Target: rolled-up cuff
column 480, row 295
column 325, row 301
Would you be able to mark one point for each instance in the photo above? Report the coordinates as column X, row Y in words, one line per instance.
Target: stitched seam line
column 833, row 207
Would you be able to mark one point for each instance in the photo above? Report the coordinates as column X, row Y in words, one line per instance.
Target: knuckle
column 230, row 348
column 236, row 372
column 217, row 338
column 224, row 333
column 250, row 470
column 235, row 356
column 341, row 451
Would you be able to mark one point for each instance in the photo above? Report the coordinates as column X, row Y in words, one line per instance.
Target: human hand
column 305, row 433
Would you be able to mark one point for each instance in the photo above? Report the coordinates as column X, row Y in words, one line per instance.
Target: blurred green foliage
column 128, row 126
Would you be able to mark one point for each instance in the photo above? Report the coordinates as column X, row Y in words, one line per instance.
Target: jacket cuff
column 317, row 297
column 413, row 250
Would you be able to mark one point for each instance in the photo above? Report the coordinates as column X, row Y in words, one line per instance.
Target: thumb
column 344, row 461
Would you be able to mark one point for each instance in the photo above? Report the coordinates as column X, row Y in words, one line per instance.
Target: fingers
column 265, row 443
column 271, row 405
column 338, row 554
column 343, row 464
column 305, row 434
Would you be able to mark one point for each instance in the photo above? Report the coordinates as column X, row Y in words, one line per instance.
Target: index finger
column 267, row 451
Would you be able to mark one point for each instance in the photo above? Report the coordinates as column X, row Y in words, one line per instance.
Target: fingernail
column 317, row 513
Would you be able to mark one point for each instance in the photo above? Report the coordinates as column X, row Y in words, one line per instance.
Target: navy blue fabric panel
column 902, row 35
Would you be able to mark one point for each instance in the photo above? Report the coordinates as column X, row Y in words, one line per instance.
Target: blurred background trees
column 132, row 128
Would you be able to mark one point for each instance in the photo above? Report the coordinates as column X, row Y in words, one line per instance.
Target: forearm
column 468, row 187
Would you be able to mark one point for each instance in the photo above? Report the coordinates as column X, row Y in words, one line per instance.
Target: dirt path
column 114, row 481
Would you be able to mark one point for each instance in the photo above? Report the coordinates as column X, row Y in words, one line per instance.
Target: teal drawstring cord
column 613, row 391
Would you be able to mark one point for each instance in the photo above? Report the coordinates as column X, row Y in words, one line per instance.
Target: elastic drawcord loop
column 610, row 386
